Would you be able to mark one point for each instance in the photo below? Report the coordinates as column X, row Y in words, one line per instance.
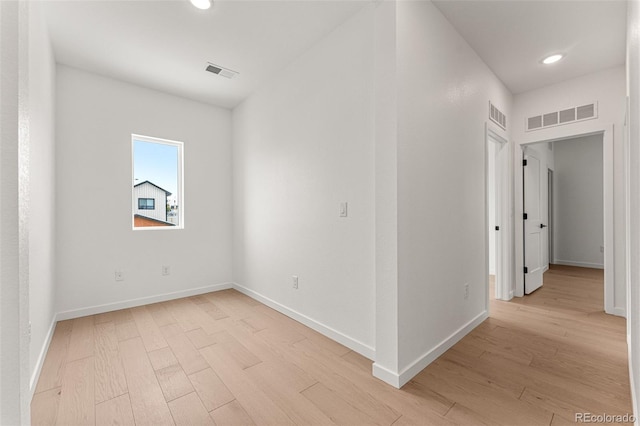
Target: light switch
column 343, row 209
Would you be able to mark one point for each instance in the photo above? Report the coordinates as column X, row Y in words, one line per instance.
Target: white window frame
column 180, row 198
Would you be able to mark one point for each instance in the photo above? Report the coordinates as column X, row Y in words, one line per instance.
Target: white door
column 533, row 225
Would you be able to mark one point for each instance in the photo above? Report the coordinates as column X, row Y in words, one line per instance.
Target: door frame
column 609, row 250
column 551, row 212
column 503, row 290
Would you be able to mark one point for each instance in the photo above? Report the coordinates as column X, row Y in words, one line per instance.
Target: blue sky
column 157, row 163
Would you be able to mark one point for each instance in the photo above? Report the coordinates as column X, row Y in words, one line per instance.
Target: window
column 157, row 187
column 146, row 203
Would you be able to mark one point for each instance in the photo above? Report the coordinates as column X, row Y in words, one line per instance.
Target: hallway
column 549, row 356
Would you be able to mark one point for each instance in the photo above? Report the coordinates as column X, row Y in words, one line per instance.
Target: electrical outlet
column 295, row 282
column 601, row 249
column 119, row 276
column 166, row 270
column 466, row 291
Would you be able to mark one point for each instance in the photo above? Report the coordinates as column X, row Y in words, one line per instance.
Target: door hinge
column 524, row 162
column 497, row 228
column 524, row 216
column 526, row 270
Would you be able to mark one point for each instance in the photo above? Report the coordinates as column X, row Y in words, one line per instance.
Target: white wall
column 608, row 89
column 578, row 194
column 442, row 111
column 95, row 119
column 42, row 186
column 14, row 213
column 9, row 291
column 386, row 191
column 303, row 144
column 633, row 197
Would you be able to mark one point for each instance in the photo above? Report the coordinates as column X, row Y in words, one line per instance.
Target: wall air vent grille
column 497, row 116
column 550, row 119
column 534, row 122
column 585, row 111
column 224, row 72
column 565, row 116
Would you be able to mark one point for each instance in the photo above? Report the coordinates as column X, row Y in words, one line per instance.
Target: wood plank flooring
column 225, row 359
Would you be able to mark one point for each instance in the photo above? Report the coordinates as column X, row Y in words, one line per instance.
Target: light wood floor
column 223, row 358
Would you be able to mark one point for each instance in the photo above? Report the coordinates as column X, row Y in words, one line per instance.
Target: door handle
column 542, row 225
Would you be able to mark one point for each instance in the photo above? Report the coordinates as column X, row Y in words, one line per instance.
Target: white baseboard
column 351, row 343
column 579, row 264
column 419, row 364
column 617, row 311
column 632, row 380
column 35, row 375
column 108, row 307
column 399, row 380
column 386, row 375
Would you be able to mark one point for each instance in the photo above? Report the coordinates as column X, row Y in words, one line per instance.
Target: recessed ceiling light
column 552, row 59
column 201, row 4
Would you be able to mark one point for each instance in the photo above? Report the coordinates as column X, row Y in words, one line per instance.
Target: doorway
column 498, row 220
column 550, row 215
column 571, row 208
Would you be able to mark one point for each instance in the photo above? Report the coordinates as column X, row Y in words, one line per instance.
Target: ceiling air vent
column 497, row 116
column 224, row 72
column 565, row 116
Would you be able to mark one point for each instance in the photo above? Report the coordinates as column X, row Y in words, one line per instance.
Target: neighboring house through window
column 152, row 200
column 157, row 183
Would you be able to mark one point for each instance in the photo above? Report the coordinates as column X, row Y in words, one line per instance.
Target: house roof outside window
column 151, row 183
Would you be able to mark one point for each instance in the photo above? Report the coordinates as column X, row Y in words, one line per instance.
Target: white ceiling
column 165, row 45
column 512, row 37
